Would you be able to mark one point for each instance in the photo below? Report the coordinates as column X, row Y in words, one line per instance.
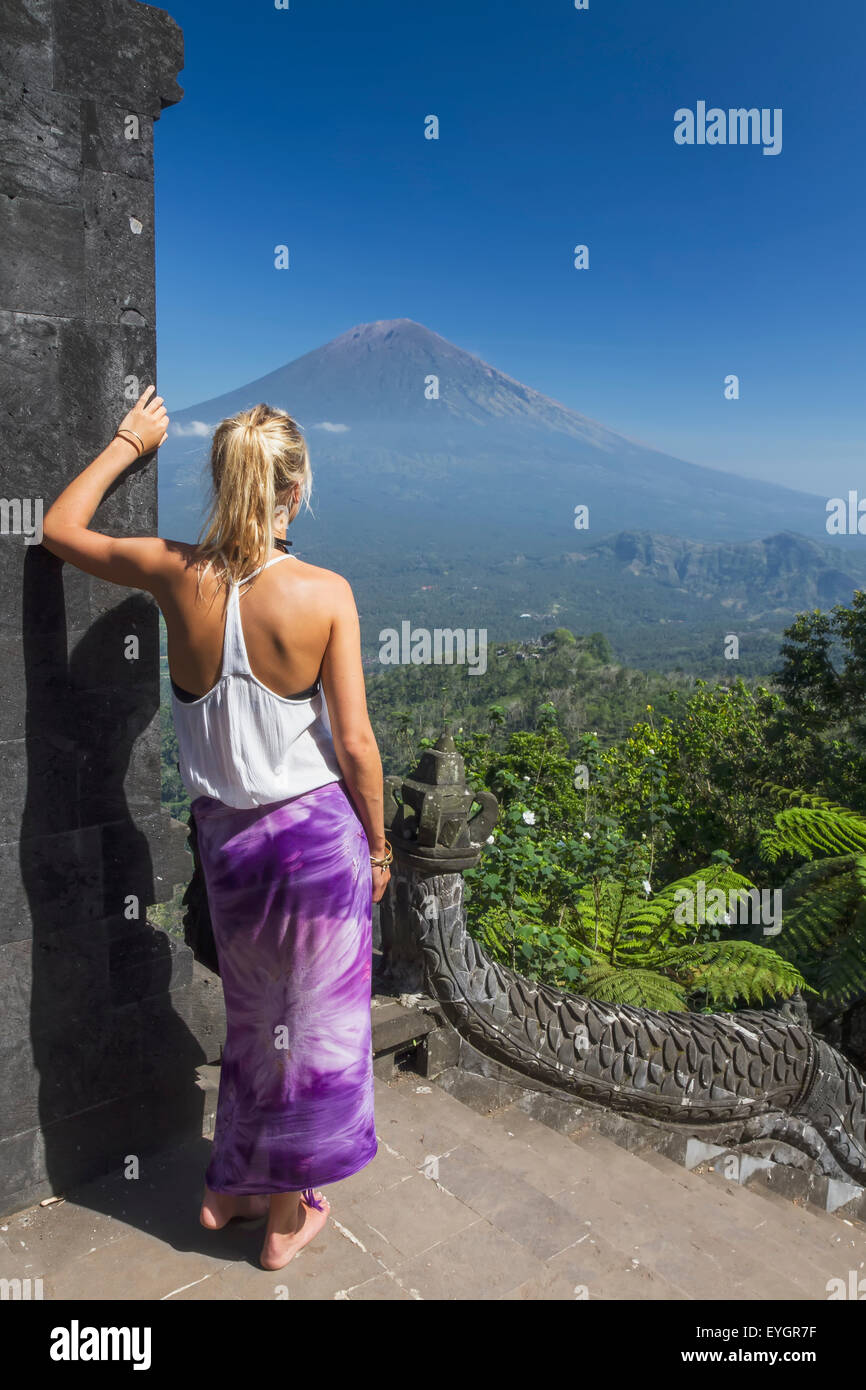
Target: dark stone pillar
column 98, row 1010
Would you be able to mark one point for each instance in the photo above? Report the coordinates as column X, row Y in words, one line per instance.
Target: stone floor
column 457, row 1206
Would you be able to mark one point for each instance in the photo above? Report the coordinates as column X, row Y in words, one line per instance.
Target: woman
column 286, row 792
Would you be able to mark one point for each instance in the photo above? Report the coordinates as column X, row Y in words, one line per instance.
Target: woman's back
column 245, row 660
column 287, row 612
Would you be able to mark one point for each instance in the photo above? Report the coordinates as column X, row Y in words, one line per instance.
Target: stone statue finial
column 427, row 814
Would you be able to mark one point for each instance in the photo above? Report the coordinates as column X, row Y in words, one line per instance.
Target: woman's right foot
column 218, row 1208
column 282, row 1246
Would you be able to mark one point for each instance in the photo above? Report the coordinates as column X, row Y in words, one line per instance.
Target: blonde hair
column 256, row 458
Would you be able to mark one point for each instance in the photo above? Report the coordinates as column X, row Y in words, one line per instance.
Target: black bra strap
column 186, row 698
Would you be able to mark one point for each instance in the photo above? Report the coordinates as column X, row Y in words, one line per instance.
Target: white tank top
column 243, row 743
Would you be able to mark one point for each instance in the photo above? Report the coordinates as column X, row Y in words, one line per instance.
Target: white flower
column 647, row 887
column 529, row 817
column 526, row 779
column 489, row 839
column 650, row 750
column 586, row 835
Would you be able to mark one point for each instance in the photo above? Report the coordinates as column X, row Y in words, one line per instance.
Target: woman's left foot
column 218, row 1208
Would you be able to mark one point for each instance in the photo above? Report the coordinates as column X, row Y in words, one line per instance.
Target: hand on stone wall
column 147, row 419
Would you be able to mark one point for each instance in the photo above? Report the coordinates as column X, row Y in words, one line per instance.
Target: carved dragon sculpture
column 753, row 1072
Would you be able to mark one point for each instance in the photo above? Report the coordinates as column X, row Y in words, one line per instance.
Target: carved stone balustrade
column 742, row 1077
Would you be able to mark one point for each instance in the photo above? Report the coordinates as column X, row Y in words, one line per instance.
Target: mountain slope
column 490, row 468
column 377, row 373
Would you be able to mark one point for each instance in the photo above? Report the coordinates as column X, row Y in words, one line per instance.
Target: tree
column 820, row 689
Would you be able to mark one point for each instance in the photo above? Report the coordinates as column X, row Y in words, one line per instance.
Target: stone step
column 779, row 1240
column 642, row 1237
column 514, row 1232
column 788, row 1247
column 553, row 1164
column 835, row 1247
column 613, row 1184
column 487, row 1086
column 783, row 1178
column 398, row 1027
column 562, row 1165
column 787, row 1175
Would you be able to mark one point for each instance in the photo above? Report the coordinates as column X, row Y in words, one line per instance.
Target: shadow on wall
column 114, row 1063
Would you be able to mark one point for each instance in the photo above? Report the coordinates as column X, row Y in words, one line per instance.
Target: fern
column 494, row 930
column 642, row 952
column 648, row 989
column 617, row 920
column 824, row 928
column 733, row 971
column 816, row 824
column 824, row 921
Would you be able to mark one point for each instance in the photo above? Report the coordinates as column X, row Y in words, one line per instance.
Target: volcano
column 419, row 447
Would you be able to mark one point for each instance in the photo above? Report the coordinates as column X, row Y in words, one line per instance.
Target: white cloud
column 331, row 428
column 196, row 427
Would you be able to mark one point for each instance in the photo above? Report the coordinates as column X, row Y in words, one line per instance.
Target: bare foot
column 218, row 1208
column 282, row 1246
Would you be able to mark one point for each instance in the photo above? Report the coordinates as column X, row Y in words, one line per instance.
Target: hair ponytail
column 256, row 457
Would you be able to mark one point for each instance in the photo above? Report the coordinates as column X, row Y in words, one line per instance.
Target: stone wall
column 102, row 1018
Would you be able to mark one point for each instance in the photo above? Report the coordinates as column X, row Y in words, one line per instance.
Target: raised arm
column 138, row 562
column 354, row 740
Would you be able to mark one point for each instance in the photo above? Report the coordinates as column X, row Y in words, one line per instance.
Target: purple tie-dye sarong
column 290, row 896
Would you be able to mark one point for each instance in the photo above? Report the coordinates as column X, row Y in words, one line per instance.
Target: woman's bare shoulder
column 177, row 560
column 328, row 582
column 180, row 555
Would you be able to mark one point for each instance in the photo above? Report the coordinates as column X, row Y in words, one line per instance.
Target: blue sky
column 305, row 127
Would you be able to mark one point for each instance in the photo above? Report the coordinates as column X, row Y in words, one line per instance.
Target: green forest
column 649, row 821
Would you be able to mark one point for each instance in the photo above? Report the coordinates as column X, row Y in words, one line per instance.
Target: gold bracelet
column 127, row 430
column 385, row 860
